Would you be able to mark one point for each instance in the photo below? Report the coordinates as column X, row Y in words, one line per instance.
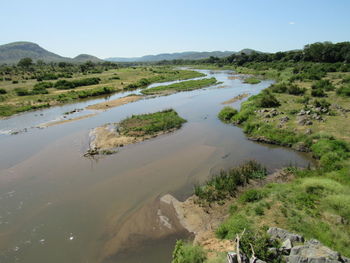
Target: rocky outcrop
column 295, row 250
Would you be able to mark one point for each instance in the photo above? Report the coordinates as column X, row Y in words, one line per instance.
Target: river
column 58, row 206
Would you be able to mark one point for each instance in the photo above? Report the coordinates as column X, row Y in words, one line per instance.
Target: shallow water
column 57, row 206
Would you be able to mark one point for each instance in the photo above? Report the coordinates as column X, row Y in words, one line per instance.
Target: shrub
column 267, row 100
column 259, row 210
column 323, row 84
column 251, row 195
column 44, row 85
column 295, row 90
column 261, row 243
column 227, row 113
column 187, row 253
column 318, row 93
column 22, row 92
column 324, row 146
column 279, row 87
column 322, row 104
column 3, row 91
column 47, row 76
column 64, row 84
column 225, row 184
column 344, row 90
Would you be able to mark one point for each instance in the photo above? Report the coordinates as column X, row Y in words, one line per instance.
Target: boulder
column 279, row 233
column 313, row 252
column 284, row 119
column 287, row 245
column 301, row 147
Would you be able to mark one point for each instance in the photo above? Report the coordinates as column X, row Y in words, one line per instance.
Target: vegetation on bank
column 226, row 183
column 315, row 203
column 151, row 123
column 28, row 86
column 181, row 86
column 307, row 109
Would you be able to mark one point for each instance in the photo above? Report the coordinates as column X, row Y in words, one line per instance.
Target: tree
column 25, row 62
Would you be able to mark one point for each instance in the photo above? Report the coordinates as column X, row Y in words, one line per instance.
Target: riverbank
column 314, row 203
column 25, row 95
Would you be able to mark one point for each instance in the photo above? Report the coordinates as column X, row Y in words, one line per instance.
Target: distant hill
column 190, row 55
column 85, row 57
column 11, row 53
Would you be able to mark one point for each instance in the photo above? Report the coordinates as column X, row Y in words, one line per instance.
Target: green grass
column 188, row 253
column 29, row 91
column 225, row 184
column 252, row 80
column 151, row 124
column 316, row 203
column 181, row 86
column 227, row 113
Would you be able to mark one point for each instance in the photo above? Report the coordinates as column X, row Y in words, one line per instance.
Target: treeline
column 322, row 52
column 27, row 69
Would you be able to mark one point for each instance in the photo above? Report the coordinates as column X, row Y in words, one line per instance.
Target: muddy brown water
column 57, row 206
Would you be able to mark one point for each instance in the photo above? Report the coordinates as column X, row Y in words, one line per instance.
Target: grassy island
column 181, row 86
column 137, row 128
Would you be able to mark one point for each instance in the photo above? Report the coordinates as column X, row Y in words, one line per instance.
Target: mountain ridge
column 11, row 53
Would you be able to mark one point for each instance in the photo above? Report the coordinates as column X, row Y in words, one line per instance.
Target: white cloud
column 292, row 23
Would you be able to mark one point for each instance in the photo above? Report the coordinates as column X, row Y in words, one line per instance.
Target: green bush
column 324, row 146
column 22, row 92
column 65, row 84
column 323, row 84
column 227, row 113
column 322, row 103
column 225, row 184
column 295, row 90
column 267, row 100
column 261, row 243
column 187, row 253
column 252, row 195
column 344, row 91
column 318, row 93
column 3, row 91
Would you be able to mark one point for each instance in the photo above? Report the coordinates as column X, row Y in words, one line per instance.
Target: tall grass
column 225, row 184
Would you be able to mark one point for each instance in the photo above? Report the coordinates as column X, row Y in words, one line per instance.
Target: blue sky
column 107, row 28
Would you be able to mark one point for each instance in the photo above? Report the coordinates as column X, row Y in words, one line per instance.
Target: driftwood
column 235, row 257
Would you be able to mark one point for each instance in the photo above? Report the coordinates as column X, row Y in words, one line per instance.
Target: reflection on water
column 56, row 206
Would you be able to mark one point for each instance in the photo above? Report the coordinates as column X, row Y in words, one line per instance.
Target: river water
column 58, row 206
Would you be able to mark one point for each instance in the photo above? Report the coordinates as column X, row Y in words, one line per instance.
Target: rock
column 232, row 258
column 287, row 244
column 273, row 251
column 91, row 152
column 302, row 112
column 345, row 260
column 284, row 119
column 308, row 131
column 279, row 233
column 301, row 147
column 313, row 252
column 304, row 120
